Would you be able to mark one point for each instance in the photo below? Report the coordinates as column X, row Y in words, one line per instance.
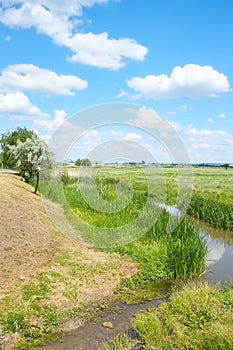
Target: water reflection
column 219, row 260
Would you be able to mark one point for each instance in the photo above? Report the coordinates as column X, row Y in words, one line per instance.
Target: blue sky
column 60, row 57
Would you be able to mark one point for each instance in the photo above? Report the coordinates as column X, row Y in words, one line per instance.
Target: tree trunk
column 37, row 182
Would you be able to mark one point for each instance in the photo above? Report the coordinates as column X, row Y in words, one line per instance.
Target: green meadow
column 192, row 318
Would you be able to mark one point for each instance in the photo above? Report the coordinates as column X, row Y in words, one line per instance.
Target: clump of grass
column 164, row 256
column 211, row 210
column 186, row 250
column 120, row 342
column 102, row 218
column 197, row 317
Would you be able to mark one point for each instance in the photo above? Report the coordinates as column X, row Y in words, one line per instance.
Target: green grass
column 212, row 211
column 214, row 183
column 34, row 320
column 120, row 342
column 160, row 254
column 34, row 323
column 211, row 201
column 199, row 317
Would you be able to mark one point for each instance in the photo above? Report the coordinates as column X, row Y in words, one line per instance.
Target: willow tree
column 10, row 138
column 30, row 156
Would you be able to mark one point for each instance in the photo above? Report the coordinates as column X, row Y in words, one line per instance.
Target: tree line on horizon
column 24, row 151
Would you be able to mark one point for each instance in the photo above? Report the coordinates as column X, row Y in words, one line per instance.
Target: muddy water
column 90, row 336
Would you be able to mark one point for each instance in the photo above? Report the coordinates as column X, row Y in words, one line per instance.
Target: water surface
column 219, row 261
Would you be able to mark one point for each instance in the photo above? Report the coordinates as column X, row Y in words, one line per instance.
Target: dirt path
column 30, row 244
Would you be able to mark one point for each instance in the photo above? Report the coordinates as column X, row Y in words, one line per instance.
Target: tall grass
column 180, row 253
column 213, row 211
column 159, row 253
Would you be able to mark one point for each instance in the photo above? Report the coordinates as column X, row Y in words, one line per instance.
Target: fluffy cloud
column 61, row 20
column 100, row 51
column 27, row 77
column 58, row 6
column 191, row 80
column 51, row 124
column 214, row 145
column 18, row 106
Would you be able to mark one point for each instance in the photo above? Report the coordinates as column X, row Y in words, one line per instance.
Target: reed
column 213, row 211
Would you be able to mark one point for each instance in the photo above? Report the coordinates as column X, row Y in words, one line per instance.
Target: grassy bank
column 197, row 317
column 160, row 254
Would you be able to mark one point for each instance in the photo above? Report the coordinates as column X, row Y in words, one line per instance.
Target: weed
column 38, row 290
column 15, row 322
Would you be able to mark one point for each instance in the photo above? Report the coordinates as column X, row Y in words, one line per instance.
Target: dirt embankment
column 30, row 244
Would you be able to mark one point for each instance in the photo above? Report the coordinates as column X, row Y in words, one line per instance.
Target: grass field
column 206, row 193
column 125, row 192
column 208, row 182
column 193, row 318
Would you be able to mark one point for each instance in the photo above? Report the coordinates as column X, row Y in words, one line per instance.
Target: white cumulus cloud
column 18, row 106
column 101, row 51
column 191, row 80
column 28, row 77
column 61, row 20
column 51, row 124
